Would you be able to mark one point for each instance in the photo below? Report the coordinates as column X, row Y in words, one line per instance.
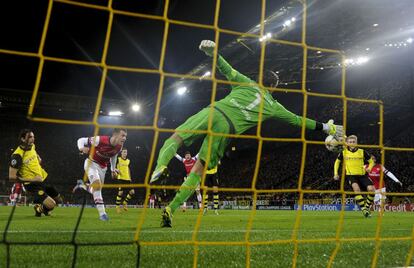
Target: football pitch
column 106, row 244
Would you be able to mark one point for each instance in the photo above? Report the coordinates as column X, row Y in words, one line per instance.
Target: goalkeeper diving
column 236, row 113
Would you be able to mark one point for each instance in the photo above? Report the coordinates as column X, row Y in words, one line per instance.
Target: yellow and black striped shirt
column 123, row 167
column 27, row 163
column 354, row 161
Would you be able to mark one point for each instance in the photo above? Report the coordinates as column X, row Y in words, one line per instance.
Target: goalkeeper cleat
column 104, row 217
column 162, row 171
column 166, row 218
column 80, row 185
column 335, row 130
column 37, row 209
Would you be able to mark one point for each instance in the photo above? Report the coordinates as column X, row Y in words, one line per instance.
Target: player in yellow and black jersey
column 25, row 167
column 124, row 177
column 354, row 159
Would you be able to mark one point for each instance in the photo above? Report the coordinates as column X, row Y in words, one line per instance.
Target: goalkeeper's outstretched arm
column 207, row 46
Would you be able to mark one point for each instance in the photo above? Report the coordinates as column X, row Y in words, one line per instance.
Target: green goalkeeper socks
column 167, row 152
column 186, row 190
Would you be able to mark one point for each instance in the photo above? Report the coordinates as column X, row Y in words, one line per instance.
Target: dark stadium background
column 69, row 91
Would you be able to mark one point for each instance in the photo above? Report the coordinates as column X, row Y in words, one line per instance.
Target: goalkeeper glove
column 207, row 46
column 335, row 130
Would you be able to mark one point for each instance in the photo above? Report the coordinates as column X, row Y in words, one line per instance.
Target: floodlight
column 136, row 107
column 181, row 90
column 115, row 113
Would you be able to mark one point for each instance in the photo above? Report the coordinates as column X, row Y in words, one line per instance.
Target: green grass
column 228, row 226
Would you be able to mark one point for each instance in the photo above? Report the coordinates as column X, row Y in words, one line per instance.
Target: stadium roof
column 378, row 29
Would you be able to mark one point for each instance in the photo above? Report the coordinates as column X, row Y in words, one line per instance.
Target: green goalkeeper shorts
column 220, row 124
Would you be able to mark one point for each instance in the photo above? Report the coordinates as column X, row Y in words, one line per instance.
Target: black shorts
column 118, row 181
column 212, row 180
column 40, row 190
column 362, row 180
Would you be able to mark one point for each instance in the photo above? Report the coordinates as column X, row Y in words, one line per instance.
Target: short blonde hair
column 352, row 137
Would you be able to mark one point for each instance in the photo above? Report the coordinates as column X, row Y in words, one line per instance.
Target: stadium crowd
column 279, row 168
column 279, row 165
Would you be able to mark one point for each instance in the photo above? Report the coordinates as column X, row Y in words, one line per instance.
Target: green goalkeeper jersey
column 242, row 105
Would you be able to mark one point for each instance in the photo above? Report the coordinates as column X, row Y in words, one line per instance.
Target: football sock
column 185, row 191
column 127, row 198
column 216, row 200
column 360, row 201
column 97, row 197
column 369, row 200
column 199, row 199
column 205, row 199
column 118, row 198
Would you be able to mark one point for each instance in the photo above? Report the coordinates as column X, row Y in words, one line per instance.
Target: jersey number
column 255, row 102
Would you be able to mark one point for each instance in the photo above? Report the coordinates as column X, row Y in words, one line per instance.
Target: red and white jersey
column 189, row 163
column 375, row 174
column 17, row 188
column 104, row 151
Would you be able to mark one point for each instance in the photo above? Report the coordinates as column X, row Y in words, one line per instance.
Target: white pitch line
column 143, row 231
column 170, row 231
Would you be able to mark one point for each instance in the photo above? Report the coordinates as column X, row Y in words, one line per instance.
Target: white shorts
column 94, row 171
column 379, row 196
